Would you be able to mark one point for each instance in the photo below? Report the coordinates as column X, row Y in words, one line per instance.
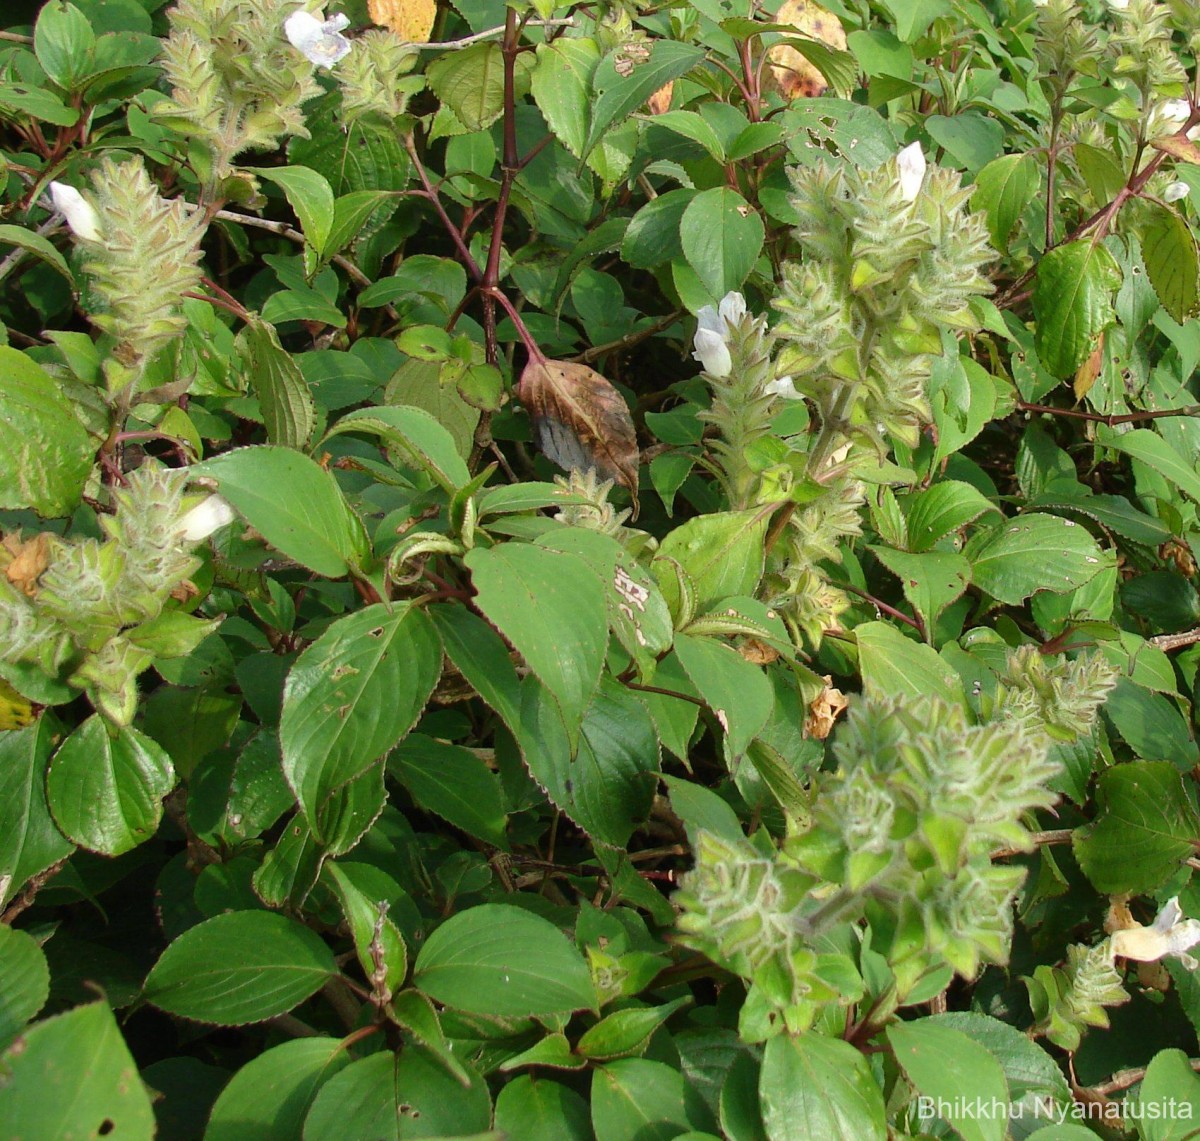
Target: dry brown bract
column 793, row 75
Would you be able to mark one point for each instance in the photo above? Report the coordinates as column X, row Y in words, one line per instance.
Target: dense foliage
column 601, row 571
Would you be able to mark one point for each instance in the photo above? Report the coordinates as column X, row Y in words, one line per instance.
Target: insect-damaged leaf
column 581, row 421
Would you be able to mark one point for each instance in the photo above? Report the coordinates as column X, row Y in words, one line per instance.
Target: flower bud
column 783, row 386
column 208, row 516
column 77, row 210
column 713, row 353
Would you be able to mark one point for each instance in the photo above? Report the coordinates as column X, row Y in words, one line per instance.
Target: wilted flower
column 1176, row 191
column 320, row 40
column 712, row 334
column 77, row 210
column 1170, row 934
column 206, row 517
column 910, row 163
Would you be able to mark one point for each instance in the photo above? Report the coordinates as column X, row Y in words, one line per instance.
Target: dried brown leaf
column 823, row 711
column 29, row 559
column 1178, row 147
column 580, row 420
column 411, row 20
column 660, row 101
column 793, row 76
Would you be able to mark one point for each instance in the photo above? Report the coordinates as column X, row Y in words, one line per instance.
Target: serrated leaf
column 350, row 698
column 1003, row 189
column 471, row 82
column 562, row 88
column 29, row 840
column 106, row 788
column 1172, row 262
column 722, row 236
column 622, row 84
column 895, row 666
column 377, row 941
column 653, row 235
column 240, row 967
column 1145, row 828
column 310, row 196
column 24, row 981
column 1073, row 303
column 737, row 692
column 420, row 440
column 930, row 580
column 45, row 452
column 721, row 552
column 552, row 608
column 289, row 413
column 40, row 247
column 1031, row 553
column 504, row 961
column 310, row 522
column 1151, row 449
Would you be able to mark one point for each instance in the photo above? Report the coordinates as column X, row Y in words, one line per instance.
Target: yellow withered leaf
column 791, row 73
column 411, row 20
column 15, row 711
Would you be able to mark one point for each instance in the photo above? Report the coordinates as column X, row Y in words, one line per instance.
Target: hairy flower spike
column 370, row 77
column 148, row 260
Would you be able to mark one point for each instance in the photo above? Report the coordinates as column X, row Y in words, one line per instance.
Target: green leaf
column 289, row 413
column 1003, row 189
column 1151, row 725
column 503, row 961
column 653, row 236
column 625, row 1032
column 895, row 666
column 692, row 125
column 930, row 580
column 269, row 1097
column 294, row 503
column 420, row 440
column 970, row 140
column 471, row 82
column 350, row 698
column 240, row 967
column 721, row 552
column 542, row 1110
column 453, row 783
column 24, row 981
column 552, row 607
column 913, row 18
column 812, row 1086
column 1167, row 1103
column 29, row 841
column 394, row 1097
column 639, row 1100
column 938, row 511
column 35, row 244
column 1151, row 449
column 617, row 96
column 1072, row 300
column 1030, row 553
column 73, row 1077
column 373, row 932
column 1035, row 1083
column 45, row 452
column 350, row 215
column 106, row 788
column 944, row 1064
column 702, row 810
column 1172, row 262
column 64, row 43
column 1145, row 828
column 737, row 692
column 562, row 88
column 606, row 783
column 722, row 236
column 481, row 656
column 310, row 196
column 1113, row 512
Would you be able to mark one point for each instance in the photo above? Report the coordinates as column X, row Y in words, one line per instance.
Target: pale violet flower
column 78, row 211
column 320, row 40
column 1176, row 191
column 783, row 386
column 209, row 515
column 1170, row 934
column 910, row 163
column 712, row 334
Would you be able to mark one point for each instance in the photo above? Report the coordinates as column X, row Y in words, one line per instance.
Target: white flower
column 712, row 334
column 783, row 386
column 1176, row 191
column 206, row 517
column 1170, row 934
column 1175, row 110
column 320, row 40
column 910, row 163
column 78, row 211
column 1118, row 5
